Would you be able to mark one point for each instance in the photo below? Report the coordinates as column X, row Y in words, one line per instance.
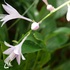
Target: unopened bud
column 35, row 26
column 50, row 7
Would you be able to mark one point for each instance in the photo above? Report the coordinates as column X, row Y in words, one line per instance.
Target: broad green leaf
column 48, row 27
column 30, row 47
column 63, row 30
column 45, row 57
column 56, row 42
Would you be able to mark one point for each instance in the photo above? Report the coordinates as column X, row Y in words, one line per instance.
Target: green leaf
column 48, row 27
column 45, row 57
column 30, row 47
column 56, row 42
column 63, row 30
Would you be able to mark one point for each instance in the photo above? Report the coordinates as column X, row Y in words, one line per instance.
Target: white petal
column 68, row 16
column 7, row 18
column 7, row 61
column 13, row 9
column 12, row 56
column 9, row 9
column 23, row 58
column 16, row 51
column 18, row 59
column 7, row 44
column 8, row 51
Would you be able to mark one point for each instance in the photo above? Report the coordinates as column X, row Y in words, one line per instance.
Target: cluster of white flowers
column 15, row 51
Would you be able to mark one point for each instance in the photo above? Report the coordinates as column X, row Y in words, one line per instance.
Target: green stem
column 22, row 14
column 54, row 11
column 28, row 33
column 33, row 68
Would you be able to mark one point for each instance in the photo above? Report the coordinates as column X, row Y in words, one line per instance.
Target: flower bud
column 35, row 26
column 50, row 7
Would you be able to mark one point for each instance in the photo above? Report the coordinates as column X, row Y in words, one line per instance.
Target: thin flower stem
column 22, row 14
column 54, row 11
column 33, row 68
column 23, row 38
column 27, row 34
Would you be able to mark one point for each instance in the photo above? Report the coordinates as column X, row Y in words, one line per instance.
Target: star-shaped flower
column 14, row 52
column 12, row 14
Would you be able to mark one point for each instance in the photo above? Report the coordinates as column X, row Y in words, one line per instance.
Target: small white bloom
column 12, row 14
column 68, row 13
column 50, row 7
column 35, row 26
column 14, row 52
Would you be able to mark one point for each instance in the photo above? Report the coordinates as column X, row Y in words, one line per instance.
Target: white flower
column 68, row 13
column 12, row 14
column 13, row 52
column 35, row 26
